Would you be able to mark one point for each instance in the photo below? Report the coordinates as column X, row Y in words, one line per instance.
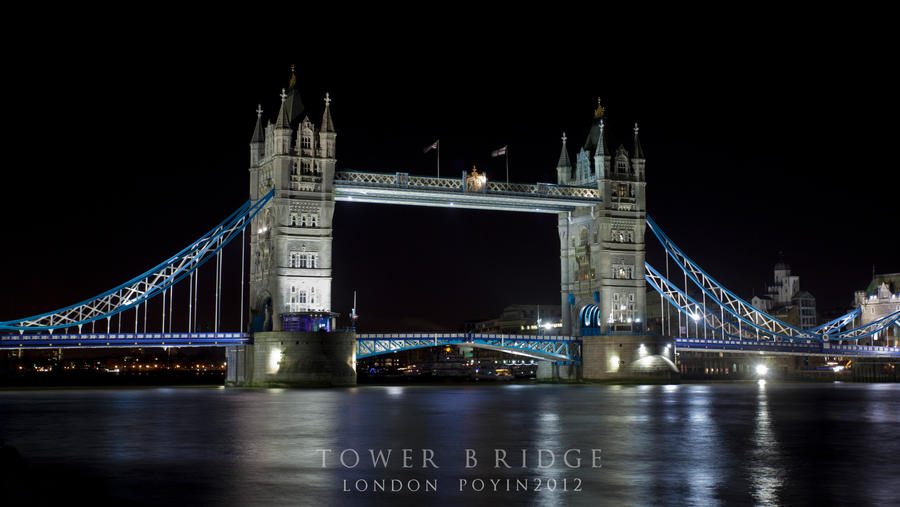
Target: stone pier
column 628, row 356
column 293, row 359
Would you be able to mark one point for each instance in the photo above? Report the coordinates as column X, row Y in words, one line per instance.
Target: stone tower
column 602, row 247
column 290, row 239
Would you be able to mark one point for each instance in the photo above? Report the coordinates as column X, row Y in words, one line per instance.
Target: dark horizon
column 741, row 165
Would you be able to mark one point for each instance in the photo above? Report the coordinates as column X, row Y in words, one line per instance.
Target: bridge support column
column 552, row 370
column 293, row 359
column 640, row 357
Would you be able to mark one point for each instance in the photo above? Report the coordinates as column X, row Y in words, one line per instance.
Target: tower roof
column 564, row 154
column 638, row 151
column 327, row 123
column 293, row 105
column 259, row 130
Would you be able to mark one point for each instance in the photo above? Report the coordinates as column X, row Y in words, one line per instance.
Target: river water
column 693, row 444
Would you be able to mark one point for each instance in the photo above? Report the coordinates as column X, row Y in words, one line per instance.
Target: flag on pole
column 432, row 147
column 497, row 153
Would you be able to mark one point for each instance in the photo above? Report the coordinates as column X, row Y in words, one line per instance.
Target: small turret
column 564, row 166
column 326, row 147
column 637, row 159
column 282, row 129
column 258, row 141
column 601, row 159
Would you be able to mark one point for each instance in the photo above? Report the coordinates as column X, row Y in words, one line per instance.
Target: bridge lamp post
column 762, row 370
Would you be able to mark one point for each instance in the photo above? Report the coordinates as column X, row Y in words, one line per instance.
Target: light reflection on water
column 766, row 444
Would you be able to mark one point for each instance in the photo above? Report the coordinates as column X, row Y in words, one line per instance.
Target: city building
column 785, row 301
column 522, row 319
column 880, row 299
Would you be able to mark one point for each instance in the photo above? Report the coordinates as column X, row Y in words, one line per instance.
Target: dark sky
column 754, row 146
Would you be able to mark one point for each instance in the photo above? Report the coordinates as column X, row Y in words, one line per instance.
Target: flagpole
column 439, row 157
column 507, row 164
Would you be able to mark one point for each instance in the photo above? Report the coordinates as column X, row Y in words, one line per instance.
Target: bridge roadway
column 401, row 188
column 769, row 347
column 549, row 347
column 561, row 349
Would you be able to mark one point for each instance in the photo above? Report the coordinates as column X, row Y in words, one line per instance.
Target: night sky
column 753, row 148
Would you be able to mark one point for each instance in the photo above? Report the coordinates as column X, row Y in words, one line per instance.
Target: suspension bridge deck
column 770, row 347
column 121, row 340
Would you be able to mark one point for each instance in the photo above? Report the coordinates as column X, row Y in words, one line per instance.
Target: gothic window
column 301, row 297
column 293, row 221
column 303, row 220
column 307, row 143
column 621, row 273
column 312, row 295
column 622, row 191
column 631, row 297
column 314, row 220
column 294, row 169
column 297, row 258
column 616, row 296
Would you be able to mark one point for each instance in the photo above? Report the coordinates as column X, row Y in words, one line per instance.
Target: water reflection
column 765, row 443
column 766, row 474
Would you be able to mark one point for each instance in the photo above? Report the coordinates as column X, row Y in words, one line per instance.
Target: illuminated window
column 297, row 259
column 314, row 220
column 293, row 220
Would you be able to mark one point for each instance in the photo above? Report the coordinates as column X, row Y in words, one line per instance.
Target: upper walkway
column 401, row 188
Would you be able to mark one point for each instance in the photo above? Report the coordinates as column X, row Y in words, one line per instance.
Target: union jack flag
column 497, row 153
column 432, row 147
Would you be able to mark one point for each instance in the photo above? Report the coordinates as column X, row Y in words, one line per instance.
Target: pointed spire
column 564, row 155
column 638, row 151
column 258, row 132
column 327, row 124
column 283, row 120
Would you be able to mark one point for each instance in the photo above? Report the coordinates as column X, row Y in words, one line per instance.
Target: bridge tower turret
column 291, row 238
column 563, row 167
column 602, row 247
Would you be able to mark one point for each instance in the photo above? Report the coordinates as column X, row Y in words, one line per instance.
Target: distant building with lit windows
column 880, row 299
column 522, row 319
column 785, row 301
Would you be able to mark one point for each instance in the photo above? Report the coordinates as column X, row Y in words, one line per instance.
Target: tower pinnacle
column 327, row 123
column 638, row 151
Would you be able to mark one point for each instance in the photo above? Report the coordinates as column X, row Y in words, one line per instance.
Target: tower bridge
column 290, row 334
